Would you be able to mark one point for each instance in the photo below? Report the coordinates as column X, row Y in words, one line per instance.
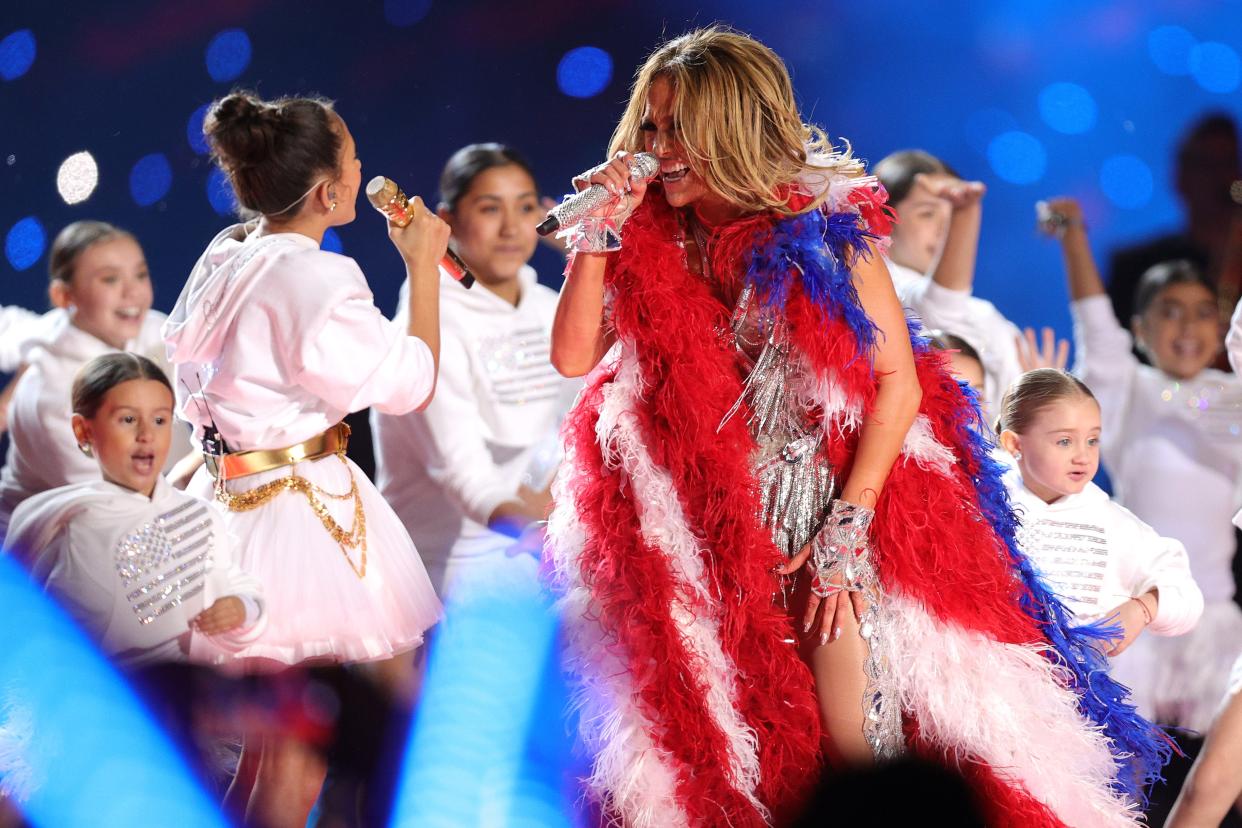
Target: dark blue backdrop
column 1070, row 96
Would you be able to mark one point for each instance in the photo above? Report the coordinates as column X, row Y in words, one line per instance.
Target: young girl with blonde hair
column 776, row 512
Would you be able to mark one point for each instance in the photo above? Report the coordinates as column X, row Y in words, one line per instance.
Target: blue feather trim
column 823, row 250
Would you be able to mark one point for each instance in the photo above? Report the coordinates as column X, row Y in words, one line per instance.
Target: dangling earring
column 85, row 448
column 331, row 207
column 332, row 195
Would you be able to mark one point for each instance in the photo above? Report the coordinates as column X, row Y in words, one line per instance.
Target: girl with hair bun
column 777, row 517
column 274, row 341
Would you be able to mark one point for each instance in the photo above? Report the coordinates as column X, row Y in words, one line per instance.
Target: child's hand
column 1057, row 215
column 1133, row 617
column 227, row 613
column 1051, row 354
column 958, row 193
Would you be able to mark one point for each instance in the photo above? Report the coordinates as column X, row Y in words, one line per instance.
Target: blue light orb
column 584, row 72
column 228, row 55
column 1067, row 108
column 1216, row 67
column 194, row 131
column 985, row 124
column 1017, row 157
column 1127, row 181
column 1169, row 48
column 405, row 12
column 150, row 179
column 331, row 242
column 90, row 754
column 23, row 246
column 17, row 54
column 220, row 193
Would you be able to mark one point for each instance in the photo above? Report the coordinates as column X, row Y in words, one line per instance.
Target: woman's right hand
column 423, row 242
column 614, row 176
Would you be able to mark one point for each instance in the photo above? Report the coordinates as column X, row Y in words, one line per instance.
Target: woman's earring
column 85, row 448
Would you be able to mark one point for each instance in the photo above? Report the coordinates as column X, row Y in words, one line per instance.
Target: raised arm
column 580, row 335
column 955, row 267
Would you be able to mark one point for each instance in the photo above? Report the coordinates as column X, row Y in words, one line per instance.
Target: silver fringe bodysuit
column 797, row 484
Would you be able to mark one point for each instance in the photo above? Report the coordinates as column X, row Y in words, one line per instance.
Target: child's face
column 922, row 224
column 110, row 290
column 130, row 433
column 1060, row 452
column 967, row 368
column 1181, row 330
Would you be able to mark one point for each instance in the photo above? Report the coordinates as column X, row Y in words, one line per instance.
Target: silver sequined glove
column 841, row 552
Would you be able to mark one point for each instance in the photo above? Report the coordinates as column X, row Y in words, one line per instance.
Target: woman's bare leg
column 840, row 677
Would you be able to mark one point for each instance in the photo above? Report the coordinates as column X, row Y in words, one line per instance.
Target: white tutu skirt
column 317, row 607
column 1181, row 680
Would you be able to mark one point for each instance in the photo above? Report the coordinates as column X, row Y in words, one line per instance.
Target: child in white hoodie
column 147, row 571
column 1097, row 556
column 469, row 473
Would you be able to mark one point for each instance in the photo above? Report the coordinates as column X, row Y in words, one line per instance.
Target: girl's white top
column 1233, row 345
column 490, row 428
column 43, row 453
column 1097, row 555
column 278, row 340
column 20, row 330
column 973, row 319
column 1173, row 448
column 134, row 571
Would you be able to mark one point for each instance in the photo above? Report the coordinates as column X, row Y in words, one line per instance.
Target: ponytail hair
column 1034, row 391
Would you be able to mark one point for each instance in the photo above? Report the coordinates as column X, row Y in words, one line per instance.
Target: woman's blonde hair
column 736, row 117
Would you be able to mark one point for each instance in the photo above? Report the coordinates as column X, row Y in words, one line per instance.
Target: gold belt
column 242, row 463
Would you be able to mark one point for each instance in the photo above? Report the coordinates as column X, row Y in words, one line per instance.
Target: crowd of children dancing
column 787, row 538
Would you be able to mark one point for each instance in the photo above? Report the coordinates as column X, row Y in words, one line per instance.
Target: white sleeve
column 1103, row 358
column 357, row 359
column 1233, row 340
column 238, row 583
column 19, row 330
column 1162, row 564
column 447, row 438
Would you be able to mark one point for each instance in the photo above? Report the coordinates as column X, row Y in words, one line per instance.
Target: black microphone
column 643, row 165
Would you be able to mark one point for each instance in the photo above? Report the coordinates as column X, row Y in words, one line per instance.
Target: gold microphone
column 386, row 196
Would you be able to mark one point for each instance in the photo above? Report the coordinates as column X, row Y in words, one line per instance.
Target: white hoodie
column 134, row 571
column 279, row 340
column 445, row 469
column 973, row 319
column 1096, row 555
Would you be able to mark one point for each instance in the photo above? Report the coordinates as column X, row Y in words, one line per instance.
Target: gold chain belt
column 332, row 441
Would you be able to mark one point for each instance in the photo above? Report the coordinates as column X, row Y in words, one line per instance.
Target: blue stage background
column 1085, row 98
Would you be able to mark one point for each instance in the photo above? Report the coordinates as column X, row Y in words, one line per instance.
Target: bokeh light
column 24, row 243
column 228, row 55
column 1169, row 48
column 77, row 177
column 220, row 193
column 194, row 131
column 17, row 54
column 1127, row 181
column 1216, row 67
column 1067, row 108
column 985, row 124
column 87, row 753
column 584, row 72
column 1018, row 157
column 150, row 179
column 405, row 12
column 331, row 241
